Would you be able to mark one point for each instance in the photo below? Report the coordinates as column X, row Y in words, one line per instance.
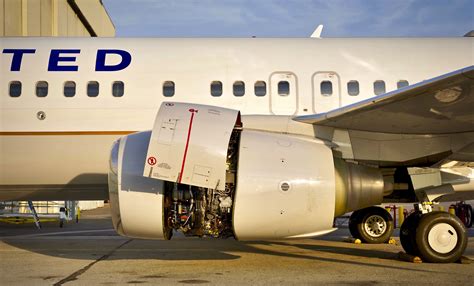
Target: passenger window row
column 326, row 88
column 260, row 88
column 238, row 88
column 69, row 88
column 353, row 87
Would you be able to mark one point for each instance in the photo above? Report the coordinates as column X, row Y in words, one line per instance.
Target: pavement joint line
column 81, row 271
column 56, row 233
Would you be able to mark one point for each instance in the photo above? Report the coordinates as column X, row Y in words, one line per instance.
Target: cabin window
column 118, row 88
column 168, row 88
column 92, row 88
column 69, row 89
column 326, row 88
column 216, row 88
column 353, row 87
column 41, row 89
column 239, row 88
column 379, row 87
column 402, row 83
column 15, row 88
column 260, row 88
column 283, row 88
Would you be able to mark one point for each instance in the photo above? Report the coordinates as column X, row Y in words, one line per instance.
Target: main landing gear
column 434, row 236
column 371, row 225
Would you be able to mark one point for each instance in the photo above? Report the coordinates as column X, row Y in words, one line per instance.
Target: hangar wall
column 57, row 18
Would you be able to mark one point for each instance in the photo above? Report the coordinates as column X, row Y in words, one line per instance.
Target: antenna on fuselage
column 317, row 32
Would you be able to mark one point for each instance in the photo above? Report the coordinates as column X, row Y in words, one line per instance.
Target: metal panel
column 97, row 17
column 285, row 187
column 24, row 17
column 189, row 144
column 12, row 18
column 2, row 17
column 71, row 22
column 63, row 13
column 34, row 18
column 46, row 18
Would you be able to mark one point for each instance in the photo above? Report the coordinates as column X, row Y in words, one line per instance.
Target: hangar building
column 56, row 18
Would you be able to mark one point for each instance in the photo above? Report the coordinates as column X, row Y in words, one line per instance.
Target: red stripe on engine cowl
column 187, row 143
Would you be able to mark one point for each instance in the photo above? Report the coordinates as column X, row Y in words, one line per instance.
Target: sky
column 291, row 18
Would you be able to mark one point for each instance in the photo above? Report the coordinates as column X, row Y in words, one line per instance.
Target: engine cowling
column 285, row 186
column 249, row 184
column 137, row 203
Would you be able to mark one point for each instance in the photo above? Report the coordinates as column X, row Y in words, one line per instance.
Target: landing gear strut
column 437, row 237
column 371, row 225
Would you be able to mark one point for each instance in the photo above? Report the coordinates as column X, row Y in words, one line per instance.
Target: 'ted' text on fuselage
column 58, row 56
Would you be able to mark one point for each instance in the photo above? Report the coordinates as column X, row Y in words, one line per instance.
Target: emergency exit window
column 283, row 88
column 326, row 88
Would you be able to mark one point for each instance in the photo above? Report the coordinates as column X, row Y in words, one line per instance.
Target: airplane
column 258, row 138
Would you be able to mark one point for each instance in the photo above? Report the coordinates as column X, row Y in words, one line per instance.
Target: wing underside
column 419, row 127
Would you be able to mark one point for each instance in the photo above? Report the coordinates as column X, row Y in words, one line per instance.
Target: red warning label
column 151, row 161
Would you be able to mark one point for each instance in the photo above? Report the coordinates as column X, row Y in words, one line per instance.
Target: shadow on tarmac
column 186, row 249
column 93, row 239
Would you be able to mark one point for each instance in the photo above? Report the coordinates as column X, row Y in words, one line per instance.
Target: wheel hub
column 375, row 226
column 442, row 238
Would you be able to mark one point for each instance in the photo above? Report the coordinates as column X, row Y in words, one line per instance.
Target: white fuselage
column 70, row 146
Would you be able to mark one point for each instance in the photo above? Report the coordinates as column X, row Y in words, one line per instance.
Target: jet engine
column 200, row 172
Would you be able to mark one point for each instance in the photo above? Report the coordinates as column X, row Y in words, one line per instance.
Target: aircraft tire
column 469, row 216
column 408, row 233
column 375, row 225
column 353, row 221
column 441, row 237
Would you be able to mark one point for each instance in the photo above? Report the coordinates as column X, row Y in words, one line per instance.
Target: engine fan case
column 137, row 202
column 285, row 187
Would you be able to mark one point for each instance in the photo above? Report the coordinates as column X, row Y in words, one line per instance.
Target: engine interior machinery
column 199, row 172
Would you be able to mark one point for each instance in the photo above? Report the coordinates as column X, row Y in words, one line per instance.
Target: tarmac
column 91, row 253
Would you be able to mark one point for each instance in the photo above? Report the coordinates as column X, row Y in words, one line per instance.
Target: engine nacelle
column 285, row 187
column 200, row 173
column 282, row 186
column 137, row 203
